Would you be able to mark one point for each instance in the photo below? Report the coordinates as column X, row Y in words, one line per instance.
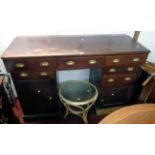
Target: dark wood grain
column 38, row 46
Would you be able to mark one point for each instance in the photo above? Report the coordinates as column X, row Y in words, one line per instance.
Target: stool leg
column 67, row 112
column 84, row 116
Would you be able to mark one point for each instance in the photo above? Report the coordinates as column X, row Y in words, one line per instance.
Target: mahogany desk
column 114, row 62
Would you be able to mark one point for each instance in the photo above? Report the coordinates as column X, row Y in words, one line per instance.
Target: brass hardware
column 112, row 94
column 19, row 65
column 38, row 91
column 127, row 78
column 130, row 69
column 102, row 100
column 23, row 74
column 92, row 62
column 50, row 98
column 70, row 63
column 136, row 60
column 43, row 73
column 44, row 64
column 110, row 80
column 116, row 60
column 112, row 70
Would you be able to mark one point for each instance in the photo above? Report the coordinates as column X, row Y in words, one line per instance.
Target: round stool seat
column 78, row 97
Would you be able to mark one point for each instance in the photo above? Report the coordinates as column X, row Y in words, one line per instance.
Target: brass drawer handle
column 110, row 80
column 43, row 73
column 44, row 64
column 136, row 60
column 19, row 65
column 92, row 62
column 23, row 74
column 130, row 69
column 112, row 70
column 116, row 60
column 70, row 63
column 127, row 78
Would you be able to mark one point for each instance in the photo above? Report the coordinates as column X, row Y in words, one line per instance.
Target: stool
column 78, row 97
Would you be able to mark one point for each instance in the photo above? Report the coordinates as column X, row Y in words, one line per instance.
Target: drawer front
column 30, row 64
column 118, row 80
column 115, row 96
column 117, row 60
column 80, row 62
column 38, row 74
column 129, row 69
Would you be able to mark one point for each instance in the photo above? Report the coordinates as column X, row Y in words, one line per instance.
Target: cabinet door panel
column 37, row 96
column 115, row 96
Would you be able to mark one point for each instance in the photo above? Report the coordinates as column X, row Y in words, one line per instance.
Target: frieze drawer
column 118, row 60
column 39, row 74
column 80, row 62
column 30, row 64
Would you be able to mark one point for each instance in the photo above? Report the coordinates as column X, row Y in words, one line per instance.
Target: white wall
column 147, row 38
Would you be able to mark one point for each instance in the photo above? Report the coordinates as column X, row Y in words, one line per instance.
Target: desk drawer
column 118, row 80
column 118, row 60
column 129, row 69
column 30, row 64
column 39, row 74
column 80, row 62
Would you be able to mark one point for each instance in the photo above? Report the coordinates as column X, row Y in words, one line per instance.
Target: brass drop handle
column 130, row 69
column 44, row 64
column 23, row 74
column 116, row 60
column 136, row 60
column 70, row 63
column 112, row 70
column 19, row 65
column 92, row 62
column 127, row 78
column 110, row 80
column 43, row 73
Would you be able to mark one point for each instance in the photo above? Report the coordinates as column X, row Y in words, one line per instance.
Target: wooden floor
column 71, row 119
